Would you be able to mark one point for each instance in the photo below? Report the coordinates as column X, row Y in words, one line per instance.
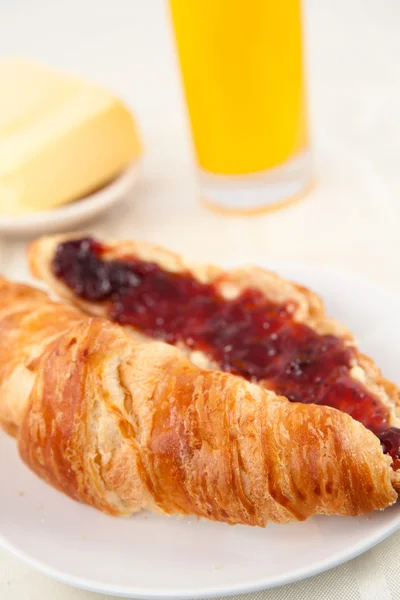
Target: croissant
column 125, row 425
column 246, row 321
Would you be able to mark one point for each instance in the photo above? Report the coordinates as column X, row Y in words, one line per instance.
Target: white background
column 351, row 218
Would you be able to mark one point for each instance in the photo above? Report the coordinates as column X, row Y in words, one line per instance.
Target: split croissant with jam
column 246, row 321
column 124, row 425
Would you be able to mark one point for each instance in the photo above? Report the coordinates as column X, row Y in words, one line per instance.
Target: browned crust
column 122, row 426
column 308, row 306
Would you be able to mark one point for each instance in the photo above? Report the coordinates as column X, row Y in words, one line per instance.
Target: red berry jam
column 390, row 440
column 249, row 335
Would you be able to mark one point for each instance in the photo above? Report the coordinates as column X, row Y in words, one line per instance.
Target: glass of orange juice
column 242, row 68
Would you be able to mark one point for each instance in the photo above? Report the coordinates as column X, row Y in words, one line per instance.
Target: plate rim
column 216, row 591
column 89, row 205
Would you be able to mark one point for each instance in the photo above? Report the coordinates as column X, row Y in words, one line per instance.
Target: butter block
column 60, row 137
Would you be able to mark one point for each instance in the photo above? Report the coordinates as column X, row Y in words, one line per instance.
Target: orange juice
column 242, row 68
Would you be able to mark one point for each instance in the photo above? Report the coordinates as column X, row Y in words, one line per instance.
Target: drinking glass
column 243, row 75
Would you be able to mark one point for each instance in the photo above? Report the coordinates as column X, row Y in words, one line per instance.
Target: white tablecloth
column 350, row 220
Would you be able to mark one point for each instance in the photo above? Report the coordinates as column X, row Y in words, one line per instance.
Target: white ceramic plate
column 150, row 556
column 74, row 214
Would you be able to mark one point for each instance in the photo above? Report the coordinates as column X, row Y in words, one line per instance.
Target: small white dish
column 151, row 556
column 74, row 214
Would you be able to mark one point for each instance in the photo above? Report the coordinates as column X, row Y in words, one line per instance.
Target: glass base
column 258, row 191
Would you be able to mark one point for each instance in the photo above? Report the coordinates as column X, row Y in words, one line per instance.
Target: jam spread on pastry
column 247, row 335
column 390, row 440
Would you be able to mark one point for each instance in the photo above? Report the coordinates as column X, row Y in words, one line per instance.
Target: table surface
column 349, row 220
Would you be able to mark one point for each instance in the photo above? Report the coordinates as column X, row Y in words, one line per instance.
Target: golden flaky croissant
column 124, row 425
